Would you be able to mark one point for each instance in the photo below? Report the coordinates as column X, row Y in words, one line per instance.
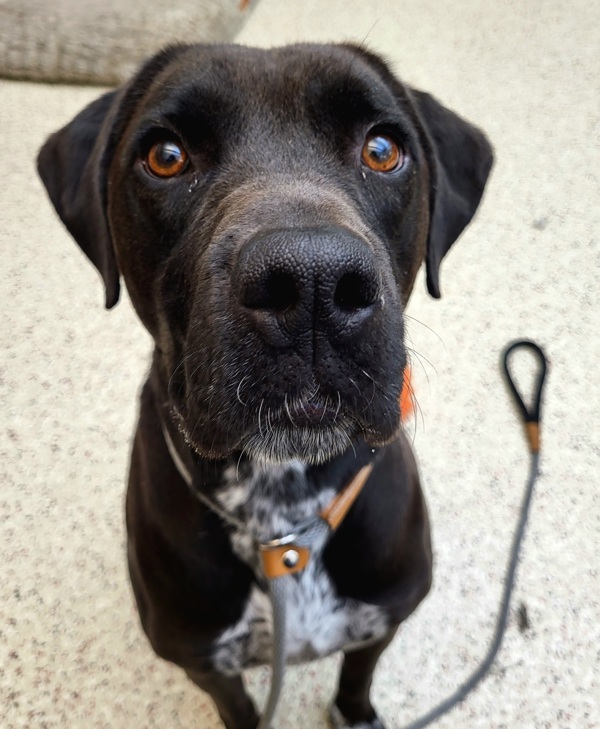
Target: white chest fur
column 318, row 620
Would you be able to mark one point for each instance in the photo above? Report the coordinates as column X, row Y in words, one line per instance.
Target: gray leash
column 313, row 528
column 278, row 603
column 461, row 692
column 306, row 535
column 531, row 420
column 290, row 555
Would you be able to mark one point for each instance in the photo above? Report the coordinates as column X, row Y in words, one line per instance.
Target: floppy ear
column 72, row 165
column 460, row 159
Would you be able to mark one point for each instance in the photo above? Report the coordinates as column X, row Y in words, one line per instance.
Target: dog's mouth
column 313, row 421
column 311, row 430
column 309, row 412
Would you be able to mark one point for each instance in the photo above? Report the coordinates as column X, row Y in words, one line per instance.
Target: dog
column 269, row 211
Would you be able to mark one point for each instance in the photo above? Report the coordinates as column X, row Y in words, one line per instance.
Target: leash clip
column 531, row 417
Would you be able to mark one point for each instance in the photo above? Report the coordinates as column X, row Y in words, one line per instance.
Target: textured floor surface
column 71, row 650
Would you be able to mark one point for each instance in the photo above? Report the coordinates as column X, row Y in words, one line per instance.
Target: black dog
column 269, row 211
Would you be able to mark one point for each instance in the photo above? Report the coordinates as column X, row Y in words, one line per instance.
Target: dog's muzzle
column 301, row 345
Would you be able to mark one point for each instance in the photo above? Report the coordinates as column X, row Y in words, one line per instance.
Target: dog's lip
column 311, row 412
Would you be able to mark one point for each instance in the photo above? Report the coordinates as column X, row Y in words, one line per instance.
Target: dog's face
column 268, row 211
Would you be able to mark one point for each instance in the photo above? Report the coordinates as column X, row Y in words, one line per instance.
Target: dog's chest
column 318, row 620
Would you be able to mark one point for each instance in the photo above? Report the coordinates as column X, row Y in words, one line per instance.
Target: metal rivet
column 291, row 558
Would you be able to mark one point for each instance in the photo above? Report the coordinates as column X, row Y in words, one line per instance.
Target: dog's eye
column 166, row 159
column 382, row 154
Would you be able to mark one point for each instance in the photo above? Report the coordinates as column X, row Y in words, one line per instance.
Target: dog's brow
column 353, row 98
column 189, row 104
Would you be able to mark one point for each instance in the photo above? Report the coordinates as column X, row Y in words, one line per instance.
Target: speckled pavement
column 72, row 654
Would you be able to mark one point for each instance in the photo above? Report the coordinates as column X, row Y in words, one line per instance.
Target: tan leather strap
column 533, row 436
column 283, row 560
column 336, row 511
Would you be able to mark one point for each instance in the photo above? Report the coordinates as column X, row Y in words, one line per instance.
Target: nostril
column 276, row 292
column 355, row 291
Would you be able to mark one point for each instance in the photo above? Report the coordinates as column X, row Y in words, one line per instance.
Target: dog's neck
column 274, row 511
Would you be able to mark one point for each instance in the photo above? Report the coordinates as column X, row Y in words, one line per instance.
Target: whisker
column 422, row 358
column 237, row 465
column 364, row 40
column 303, row 408
column 339, row 406
column 355, row 385
column 412, row 318
column 193, row 372
column 349, row 439
column 262, row 402
column 177, row 368
column 366, row 374
column 239, row 387
column 287, row 409
column 416, row 409
column 373, row 387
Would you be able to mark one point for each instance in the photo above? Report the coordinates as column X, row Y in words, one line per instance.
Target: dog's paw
column 339, row 722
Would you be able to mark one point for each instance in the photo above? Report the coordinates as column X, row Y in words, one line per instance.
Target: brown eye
column 166, row 159
column 382, row 154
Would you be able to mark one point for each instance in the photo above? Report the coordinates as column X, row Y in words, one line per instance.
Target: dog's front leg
column 229, row 694
column 352, row 707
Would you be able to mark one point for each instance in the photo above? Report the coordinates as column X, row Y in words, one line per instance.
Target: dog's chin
column 311, row 445
column 281, row 441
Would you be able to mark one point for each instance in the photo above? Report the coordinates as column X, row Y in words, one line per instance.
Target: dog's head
column 268, row 211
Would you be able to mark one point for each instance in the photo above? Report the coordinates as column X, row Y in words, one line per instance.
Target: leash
column 281, row 558
column 531, row 420
column 285, row 556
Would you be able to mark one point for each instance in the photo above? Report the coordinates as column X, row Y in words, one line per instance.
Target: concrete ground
column 72, row 653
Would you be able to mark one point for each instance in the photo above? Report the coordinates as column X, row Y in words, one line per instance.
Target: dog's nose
column 294, row 282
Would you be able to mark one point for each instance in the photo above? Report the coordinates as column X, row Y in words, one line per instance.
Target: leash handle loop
column 531, row 417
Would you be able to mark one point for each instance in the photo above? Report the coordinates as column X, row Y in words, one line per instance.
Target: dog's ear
column 460, row 159
column 72, row 165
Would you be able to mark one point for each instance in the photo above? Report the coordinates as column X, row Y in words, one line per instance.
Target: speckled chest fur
column 319, row 621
